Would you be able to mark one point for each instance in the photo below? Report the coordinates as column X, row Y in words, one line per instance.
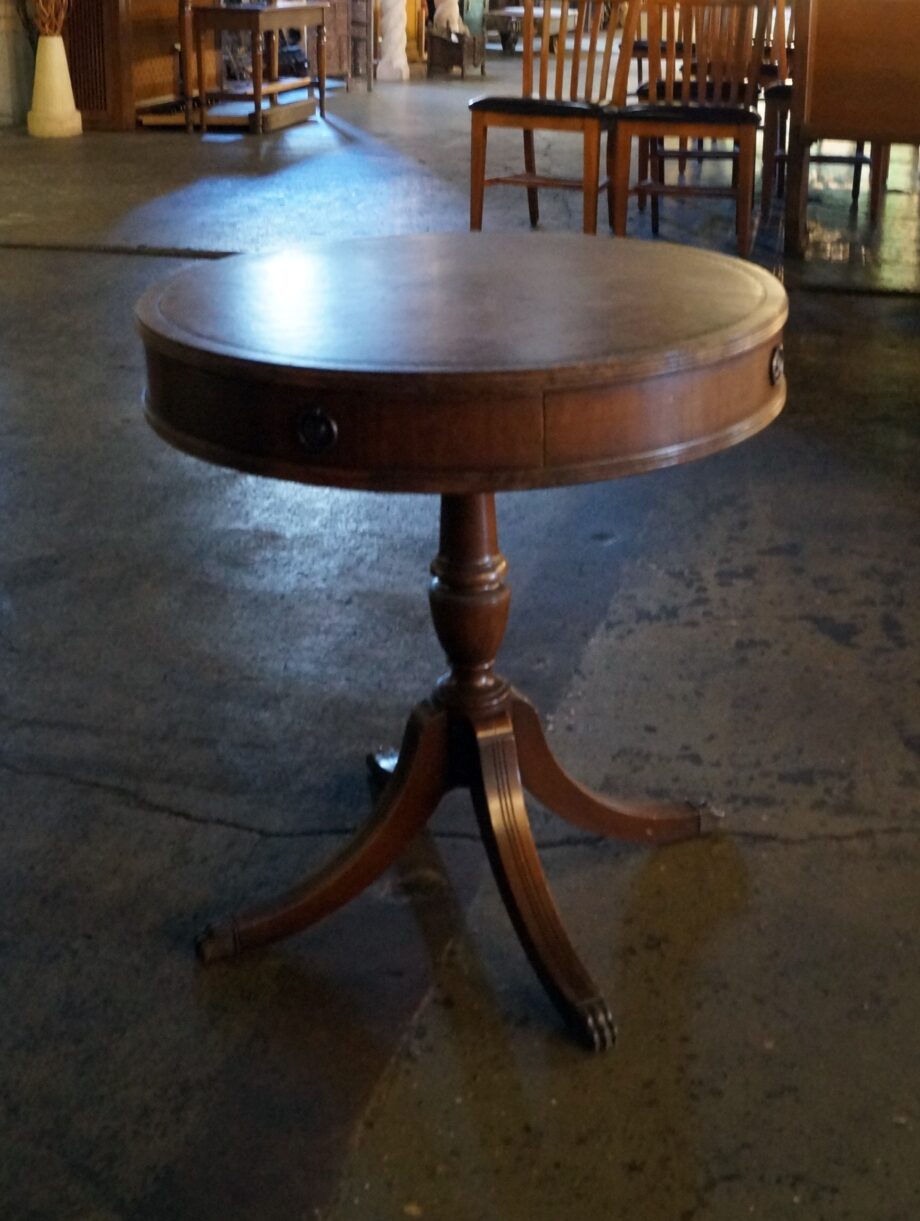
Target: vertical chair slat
column 545, row 40
column 604, row 84
column 699, row 31
column 560, row 55
column 596, row 15
column 654, row 52
column 720, row 29
column 730, row 30
column 759, row 15
column 694, row 44
column 527, row 69
column 778, row 43
column 742, row 58
column 576, row 49
column 621, row 76
column 671, row 50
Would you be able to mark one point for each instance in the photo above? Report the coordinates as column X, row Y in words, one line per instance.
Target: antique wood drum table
column 464, row 365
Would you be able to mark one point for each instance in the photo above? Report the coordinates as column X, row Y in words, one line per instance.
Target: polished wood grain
column 405, row 386
column 436, row 379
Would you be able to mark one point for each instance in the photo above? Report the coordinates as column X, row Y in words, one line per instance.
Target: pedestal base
column 475, row 733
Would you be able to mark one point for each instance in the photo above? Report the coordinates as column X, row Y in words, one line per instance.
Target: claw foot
column 596, row 1025
column 380, row 768
column 217, row 941
column 710, row 816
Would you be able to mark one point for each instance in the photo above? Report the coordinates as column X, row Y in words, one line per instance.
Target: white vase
column 53, row 111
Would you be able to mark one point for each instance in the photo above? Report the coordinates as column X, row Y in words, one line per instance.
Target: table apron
column 376, row 439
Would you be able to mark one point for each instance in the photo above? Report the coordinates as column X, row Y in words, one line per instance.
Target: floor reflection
column 845, row 251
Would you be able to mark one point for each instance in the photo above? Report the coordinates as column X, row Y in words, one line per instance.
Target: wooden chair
column 705, row 90
column 567, row 90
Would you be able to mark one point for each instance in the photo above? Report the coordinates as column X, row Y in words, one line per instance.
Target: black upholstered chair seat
column 778, row 93
column 661, row 92
column 690, row 113
column 545, row 107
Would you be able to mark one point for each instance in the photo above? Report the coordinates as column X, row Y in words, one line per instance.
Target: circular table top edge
column 162, row 332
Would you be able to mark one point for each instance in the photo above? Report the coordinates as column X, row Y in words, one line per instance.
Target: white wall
column 16, row 67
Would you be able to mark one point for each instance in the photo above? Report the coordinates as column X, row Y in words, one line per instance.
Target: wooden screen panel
column 97, row 39
column 862, row 71
column 86, row 56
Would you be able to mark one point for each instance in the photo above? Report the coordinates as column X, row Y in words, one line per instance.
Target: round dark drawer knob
column 316, row 431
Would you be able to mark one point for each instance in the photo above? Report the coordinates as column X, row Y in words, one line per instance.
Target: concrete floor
column 193, row 662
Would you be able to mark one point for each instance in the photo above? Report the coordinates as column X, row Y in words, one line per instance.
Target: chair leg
column 797, row 192
column 682, row 159
column 478, row 141
column 591, row 175
column 657, row 177
column 857, row 173
column 781, row 149
column 877, row 181
column 530, row 166
column 618, row 168
column 611, row 160
column 768, row 167
column 744, row 199
column 641, row 195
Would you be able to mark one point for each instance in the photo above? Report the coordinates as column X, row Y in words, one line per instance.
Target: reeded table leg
column 404, row 806
column 546, row 780
column 499, row 802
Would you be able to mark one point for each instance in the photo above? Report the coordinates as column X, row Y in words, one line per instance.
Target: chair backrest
column 707, row 51
column 580, row 72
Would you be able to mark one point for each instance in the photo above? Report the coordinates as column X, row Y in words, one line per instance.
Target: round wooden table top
column 463, row 362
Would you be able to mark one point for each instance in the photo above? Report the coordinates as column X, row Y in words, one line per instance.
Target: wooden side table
column 259, row 20
column 470, row 363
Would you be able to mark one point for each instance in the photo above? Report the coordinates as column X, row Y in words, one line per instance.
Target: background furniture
column 361, row 36
column 260, row 21
column 126, row 61
column 704, row 85
column 565, row 91
column 857, row 77
column 464, row 51
column 776, row 79
column 460, row 368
